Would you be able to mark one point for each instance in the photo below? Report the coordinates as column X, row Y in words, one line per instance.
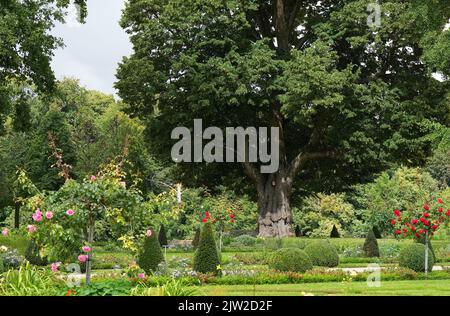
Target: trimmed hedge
column 290, row 260
column 206, row 258
column 413, row 257
column 162, row 237
column 322, row 254
column 335, row 233
column 196, row 239
column 151, row 256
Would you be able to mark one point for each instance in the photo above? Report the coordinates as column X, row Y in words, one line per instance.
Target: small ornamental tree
column 335, row 233
column 206, row 257
column 421, row 225
column 151, row 255
column 370, row 247
column 376, row 232
column 64, row 222
column 162, row 237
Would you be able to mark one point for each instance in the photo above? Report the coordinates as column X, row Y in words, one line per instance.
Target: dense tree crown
column 339, row 89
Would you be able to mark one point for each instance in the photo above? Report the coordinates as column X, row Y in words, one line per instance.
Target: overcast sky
column 93, row 49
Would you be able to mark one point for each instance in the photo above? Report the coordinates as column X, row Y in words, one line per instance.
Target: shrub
column 298, row 232
column 162, row 237
column 206, row 258
column 371, row 245
column 151, row 255
column 322, row 254
column 245, row 240
column 196, row 238
column 33, row 256
column 12, row 259
column 335, row 233
column 290, row 260
column 413, row 257
column 377, row 233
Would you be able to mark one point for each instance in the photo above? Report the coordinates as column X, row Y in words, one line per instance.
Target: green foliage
column 413, row 257
column 371, row 245
column 403, row 189
column 290, row 260
column 162, row 237
column 32, row 254
column 376, row 232
column 12, row 259
column 298, row 232
column 29, row 281
column 319, row 214
column 105, row 288
column 334, row 232
column 322, row 254
column 196, row 239
column 151, row 255
column 206, row 257
column 170, row 288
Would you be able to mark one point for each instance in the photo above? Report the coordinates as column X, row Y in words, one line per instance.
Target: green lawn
column 388, row 288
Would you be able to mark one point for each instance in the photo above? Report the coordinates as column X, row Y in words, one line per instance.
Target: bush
column 290, row 260
column 162, row 237
column 206, row 258
column 196, row 238
column 322, row 254
column 151, row 255
column 413, row 257
column 377, row 233
column 298, row 232
column 12, row 259
column 245, row 240
column 371, row 245
column 33, row 256
column 335, row 233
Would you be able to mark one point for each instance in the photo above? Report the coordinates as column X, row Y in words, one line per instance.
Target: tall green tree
column 349, row 97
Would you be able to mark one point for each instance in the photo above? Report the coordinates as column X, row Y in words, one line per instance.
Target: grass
column 387, row 288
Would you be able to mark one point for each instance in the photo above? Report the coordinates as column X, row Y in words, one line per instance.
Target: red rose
column 421, row 231
column 397, row 213
column 414, row 221
column 405, row 230
column 398, row 232
column 204, row 220
column 448, row 213
column 407, row 224
column 393, row 222
column 214, row 221
column 207, row 215
column 232, row 215
column 440, row 210
column 426, row 207
column 426, row 214
column 413, row 228
column 426, row 223
column 417, row 235
column 232, row 220
column 435, row 227
column 422, row 219
column 440, row 201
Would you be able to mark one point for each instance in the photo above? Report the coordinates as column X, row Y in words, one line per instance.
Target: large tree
column 349, row 97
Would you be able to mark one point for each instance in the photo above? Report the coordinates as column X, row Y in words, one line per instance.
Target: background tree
column 340, row 91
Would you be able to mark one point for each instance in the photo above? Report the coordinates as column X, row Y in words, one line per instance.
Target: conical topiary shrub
column 151, row 255
column 298, row 232
column 196, row 238
column 377, row 233
column 33, row 256
column 206, row 258
column 370, row 247
column 335, row 233
column 162, row 237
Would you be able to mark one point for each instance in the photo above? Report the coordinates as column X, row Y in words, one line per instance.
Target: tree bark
column 275, row 216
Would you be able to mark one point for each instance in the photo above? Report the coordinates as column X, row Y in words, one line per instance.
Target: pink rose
column 49, row 215
column 38, row 212
column 5, row 232
column 141, row 275
column 149, row 233
column 31, row 228
column 37, row 217
column 93, row 178
column 70, row 212
column 82, row 258
column 55, row 266
column 86, row 249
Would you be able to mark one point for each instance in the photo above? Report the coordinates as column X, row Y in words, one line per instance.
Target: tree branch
column 302, row 158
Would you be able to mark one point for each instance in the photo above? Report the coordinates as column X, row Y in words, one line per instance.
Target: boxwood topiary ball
column 322, row 253
column 290, row 260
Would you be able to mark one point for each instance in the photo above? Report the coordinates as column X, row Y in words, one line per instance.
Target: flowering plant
column 420, row 223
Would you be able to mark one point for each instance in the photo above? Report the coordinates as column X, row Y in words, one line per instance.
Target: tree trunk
column 91, row 228
column 17, row 214
column 275, row 215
